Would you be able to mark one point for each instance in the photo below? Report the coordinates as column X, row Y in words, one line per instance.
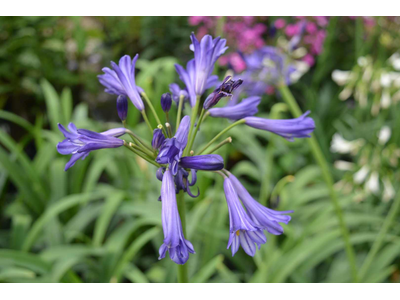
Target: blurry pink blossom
column 280, row 23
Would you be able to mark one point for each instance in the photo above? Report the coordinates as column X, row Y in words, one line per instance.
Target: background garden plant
column 100, row 221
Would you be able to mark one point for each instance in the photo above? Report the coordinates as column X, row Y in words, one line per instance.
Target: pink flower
column 237, row 63
column 280, row 23
column 309, row 59
column 292, row 30
column 311, row 28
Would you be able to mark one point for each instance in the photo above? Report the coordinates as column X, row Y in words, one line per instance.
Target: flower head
column 300, row 127
column 121, row 80
column 79, row 142
column 242, row 230
column 174, row 241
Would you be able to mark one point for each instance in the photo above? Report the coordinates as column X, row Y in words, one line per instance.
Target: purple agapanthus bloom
column 172, row 149
column 79, row 142
column 174, row 241
column 300, row 127
column 266, row 67
column 166, row 102
column 224, row 90
column 197, row 76
column 177, row 92
column 242, row 230
column 158, row 139
column 262, row 216
column 207, row 162
column 121, row 80
column 247, row 107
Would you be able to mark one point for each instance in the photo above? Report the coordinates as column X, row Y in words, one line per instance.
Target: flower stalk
column 319, row 157
column 224, row 142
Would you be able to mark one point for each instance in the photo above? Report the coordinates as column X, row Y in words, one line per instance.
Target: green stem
column 226, row 141
column 394, row 209
column 221, row 133
column 151, row 107
column 178, row 116
column 145, row 157
column 147, row 121
column 319, row 157
column 138, row 140
column 182, row 269
column 192, row 122
column 191, row 141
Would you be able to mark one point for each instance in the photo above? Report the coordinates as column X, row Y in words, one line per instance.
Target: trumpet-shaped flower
column 174, row 241
column 247, row 107
column 262, row 216
column 79, row 142
column 300, row 127
column 208, row 162
column 121, row 80
column 242, row 230
column 197, row 76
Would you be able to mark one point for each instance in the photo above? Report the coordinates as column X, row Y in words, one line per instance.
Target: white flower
column 301, row 68
column 340, row 145
column 384, row 135
column 395, row 61
column 372, row 185
column 361, row 174
column 386, row 80
column 362, row 61
column 388, row 190
column 342, row 77
column 343, row 165
column 385, row 99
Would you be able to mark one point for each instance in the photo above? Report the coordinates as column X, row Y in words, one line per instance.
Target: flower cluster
column 371, row 85
column 176, row 159
column 374, row 169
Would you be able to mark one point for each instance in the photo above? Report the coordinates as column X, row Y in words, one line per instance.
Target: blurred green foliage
column 101, row 221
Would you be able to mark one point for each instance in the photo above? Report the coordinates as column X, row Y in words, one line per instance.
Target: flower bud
column 166, row 101
column 158, row 139
column 224, row 90
column 122, row 107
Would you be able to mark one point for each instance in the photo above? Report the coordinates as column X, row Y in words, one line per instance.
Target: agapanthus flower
column 121, row 80
column 197, row 76
column 300, row 127
column 242, row 230
column 166, row 102
column 224, row 90
column 207, row 162
column 247, row 107
column 172, row 149
column 158, row 139
column 80, row 142
column 177, row 92
column 263, row 217
column 174, row 241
